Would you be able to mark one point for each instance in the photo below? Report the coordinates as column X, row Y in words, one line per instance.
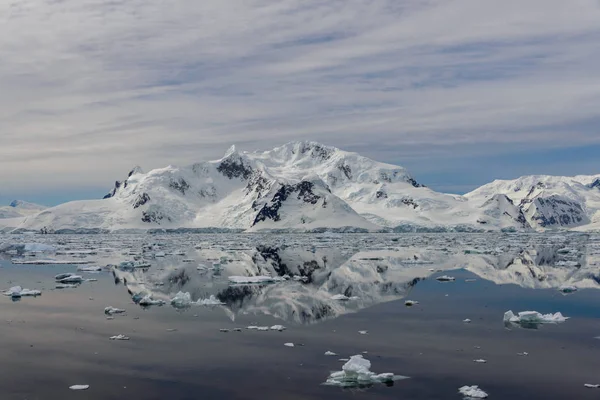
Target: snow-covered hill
column 306, row 186
column 19, row 208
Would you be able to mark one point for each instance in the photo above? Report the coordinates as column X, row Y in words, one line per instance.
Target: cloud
column 93, row 87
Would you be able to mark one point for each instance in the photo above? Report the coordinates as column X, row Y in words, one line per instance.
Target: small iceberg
column 533, row 318
column 592, row 386
column 567, row 289
column 112, row 310
column 184, row 300
column 445, row 278
column 330, row 353
column 279, row 328
column 410, row 303
column 119, row 337
column 89, row 269
column 357, row 373
column 17, row 292
column 71, row 278
column 79, row 387
column 148, row 301
column 472, row 392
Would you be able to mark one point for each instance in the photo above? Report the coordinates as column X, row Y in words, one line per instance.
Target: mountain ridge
column 307, row 186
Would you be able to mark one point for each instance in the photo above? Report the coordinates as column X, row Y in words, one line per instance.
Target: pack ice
column 357, row 372
column 472, row 392
column 18, row 291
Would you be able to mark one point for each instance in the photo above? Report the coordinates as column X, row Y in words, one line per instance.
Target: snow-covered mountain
column 306, row 186
column 19, row 208
column 548, row 201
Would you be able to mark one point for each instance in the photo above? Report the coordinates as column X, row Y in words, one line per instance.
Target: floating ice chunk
column 149, row 301
column 472, row 392
column 63, row 276
column 211, row 301
column 467, row 321
column 523, row 354
column 533, row 317
column 182, row 300
column 112, row 310
column 279, row 328
column 66, row 286
column 254, row 279
column 592, row 386
column 357, row 372
column 89, row 269
column 119, row 337
column 262, row 328
column 79, row 387
column 445, row 278
column 288, row 344
column 330, row 353
column 567, row 289
column 480, row 361
column 17, row 291
column 410, row 303
column 363, row 332
column 71, row 279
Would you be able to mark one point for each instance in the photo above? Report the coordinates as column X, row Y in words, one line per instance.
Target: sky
column 460, row 92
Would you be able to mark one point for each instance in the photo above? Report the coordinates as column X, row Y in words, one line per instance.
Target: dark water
column 61, row 338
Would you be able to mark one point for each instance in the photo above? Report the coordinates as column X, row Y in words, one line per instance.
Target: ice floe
column 330, row 353
column 472, row 392
column 79, row 387
column 119, row 337
column 289, row 344
column 356, row 372
column 410, row 303
column 18, row 291
column 445, row 278
column 533, row 317
column 147, row 301
column 112, row 310
column 184, row 300
column 592, row 386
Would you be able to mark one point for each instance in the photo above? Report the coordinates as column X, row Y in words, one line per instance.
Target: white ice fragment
column 62, row 276
column 363, row 332
column 262, row 328
column 480, row 361
column 288, row 344
column 445, row 278
column 467, row 321
column 66, row 286
column 523, row 354
column 119, row 337
column 410, row 303
column 17, row 291
column 112, row 310
column 592, row 386
column 472, row 392
column 79, row 387
column 357, row 372
column 89, row 269
column 182, row 300
column 330, row 353
column 533, row 317
column 71, row 279
column 149, row 301
column 279, row 328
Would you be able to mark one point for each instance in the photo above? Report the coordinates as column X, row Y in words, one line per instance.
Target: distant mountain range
column 307, row 187
column 19, row 208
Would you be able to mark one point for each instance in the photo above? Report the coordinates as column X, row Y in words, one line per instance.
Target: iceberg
column 147, row 301
column 17, row 292
column 357, row 373
column 592, row 386
column 119, row 337
column 184, row 300
column 71, row 279
column 79, row 387
column 533, row 317
column 472, row 392
column 567, row 289
column 445, row 278
column 410, row 303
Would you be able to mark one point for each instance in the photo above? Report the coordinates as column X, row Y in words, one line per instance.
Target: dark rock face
column 564, row 212
column 141, row 200
column 410, row 202
column 595, row 184
column 234, row 167
column 114, row 191
column 271, row 210
column 346, row 170
column 414, row 183
column 180, row 185
column 380, row 194
column 316, row 150
column 154, row 216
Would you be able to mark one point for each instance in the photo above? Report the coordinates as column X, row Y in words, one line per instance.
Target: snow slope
column 306, row 186
column 19, row 208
